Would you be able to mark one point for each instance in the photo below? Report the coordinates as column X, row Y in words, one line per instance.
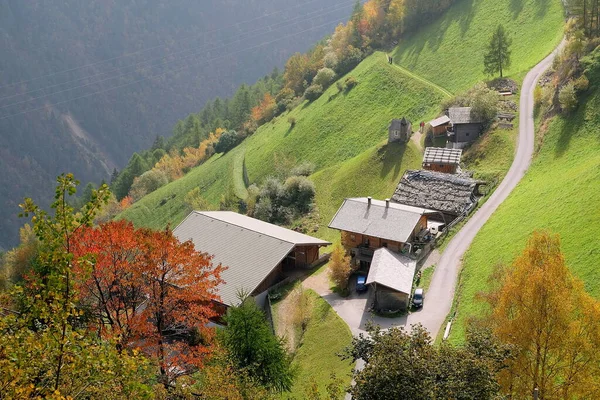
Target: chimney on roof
column 387, row 203
column 369, row 201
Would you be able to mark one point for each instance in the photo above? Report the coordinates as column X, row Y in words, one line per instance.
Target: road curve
column 440, row 294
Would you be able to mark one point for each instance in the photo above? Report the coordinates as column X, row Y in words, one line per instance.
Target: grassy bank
column 449, row 51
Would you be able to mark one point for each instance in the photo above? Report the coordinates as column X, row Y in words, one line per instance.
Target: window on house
column 353, row 237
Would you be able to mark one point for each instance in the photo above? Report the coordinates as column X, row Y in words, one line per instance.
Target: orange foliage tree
column 339, row 267
column 150, row 292
column 175, row 165
column 109, row 276
column 265, row 111
column 544, row 313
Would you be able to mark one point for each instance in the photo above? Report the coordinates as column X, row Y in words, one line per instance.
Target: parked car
column 418, row 298
column 361, row 283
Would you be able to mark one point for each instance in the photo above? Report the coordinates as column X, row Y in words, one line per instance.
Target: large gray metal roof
column 392, row 270
column 249, row 248
column 394, row 222
column 439, row 155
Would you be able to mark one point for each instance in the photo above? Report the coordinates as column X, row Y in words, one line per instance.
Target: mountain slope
column 560, row 193
column 342, row 133
column 55, row 51
column 449, row 51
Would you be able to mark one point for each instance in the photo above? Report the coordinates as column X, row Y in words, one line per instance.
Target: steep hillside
column 449, row 51
column 342, row 133
column 134, row 67
column 560, row 193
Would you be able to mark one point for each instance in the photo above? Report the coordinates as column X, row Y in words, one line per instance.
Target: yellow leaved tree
column 543, row 311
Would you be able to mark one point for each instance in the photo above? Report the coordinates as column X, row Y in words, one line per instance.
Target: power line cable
column 171, row 71
column 158, row 46
column 271, row 27
column 165, row 63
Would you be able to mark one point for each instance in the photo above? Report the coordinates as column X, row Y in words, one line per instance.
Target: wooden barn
column 439, row 126
column 257, row 254
column 465, row 128
column 391, row 276
column 399, row 130
column 442, row 159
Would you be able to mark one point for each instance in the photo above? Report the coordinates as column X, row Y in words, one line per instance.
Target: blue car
column 361, row 283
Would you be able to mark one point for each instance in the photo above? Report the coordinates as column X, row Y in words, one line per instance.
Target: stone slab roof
column 451, row 194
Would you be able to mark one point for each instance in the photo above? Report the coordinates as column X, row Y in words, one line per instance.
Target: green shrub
column 350, row 82
column 324, row 77
column 567, row 97
column 582, row 83
column 299, row 193
column 148, row 182
column 305, row 169
column 313, row 92
column 227, row 141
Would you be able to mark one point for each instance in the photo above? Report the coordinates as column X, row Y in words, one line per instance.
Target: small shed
column 391, row 275
column 465, row 127
column 399, row 130
column 442, row 159
column 440, row 125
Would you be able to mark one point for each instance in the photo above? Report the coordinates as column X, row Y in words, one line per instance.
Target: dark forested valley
column 84, row 84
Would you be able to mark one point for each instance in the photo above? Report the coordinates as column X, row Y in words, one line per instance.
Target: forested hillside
column 84, row 84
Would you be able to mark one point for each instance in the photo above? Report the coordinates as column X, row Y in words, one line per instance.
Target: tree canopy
column 253, row 346
column 402, row 365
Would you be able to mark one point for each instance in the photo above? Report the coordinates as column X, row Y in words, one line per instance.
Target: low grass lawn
column 449, row 51
column 316, row 356
column 560, row 193
column 425, row 279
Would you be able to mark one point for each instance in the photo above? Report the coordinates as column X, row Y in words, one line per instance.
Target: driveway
column 354, row 309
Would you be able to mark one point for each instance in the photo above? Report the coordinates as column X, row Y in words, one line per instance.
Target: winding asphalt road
column 438, row 301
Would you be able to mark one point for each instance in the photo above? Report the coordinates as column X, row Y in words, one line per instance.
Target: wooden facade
column 299, row 257
column 465, row 133
column 447, row 168
column 352, row 240
column 440, row 130
column 389, row 299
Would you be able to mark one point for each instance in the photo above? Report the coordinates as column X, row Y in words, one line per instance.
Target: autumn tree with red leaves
column 109, row 276
column 181, row 284
column 149, row 291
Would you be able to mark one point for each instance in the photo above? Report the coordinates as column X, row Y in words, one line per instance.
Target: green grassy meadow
column 342, row 133
column 449, row 51
column 317, row 358
column 561, row 194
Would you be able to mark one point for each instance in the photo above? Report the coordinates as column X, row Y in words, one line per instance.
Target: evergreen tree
column 253, row 346
column 136, row 167
column 497, row 57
